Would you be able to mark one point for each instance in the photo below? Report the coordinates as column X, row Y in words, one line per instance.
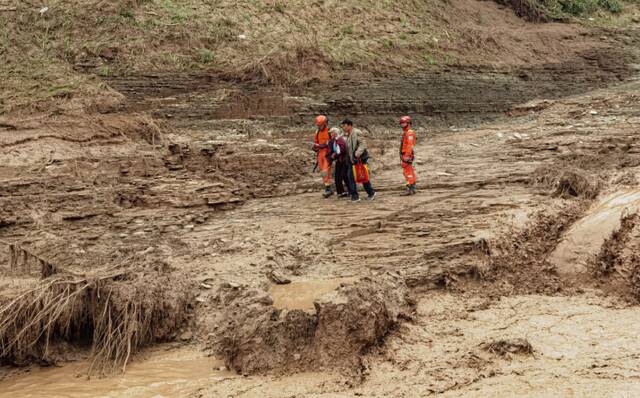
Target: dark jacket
column 338, row 146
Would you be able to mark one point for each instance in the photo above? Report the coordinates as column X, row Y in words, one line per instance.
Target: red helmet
column 405, row 119
column 321, row 120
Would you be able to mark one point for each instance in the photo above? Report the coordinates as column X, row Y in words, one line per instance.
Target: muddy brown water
column 157, row 374
column 300, row 295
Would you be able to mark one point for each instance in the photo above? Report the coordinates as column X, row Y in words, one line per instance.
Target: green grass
column 205, row 56
column 287, row 42
column 429, row 59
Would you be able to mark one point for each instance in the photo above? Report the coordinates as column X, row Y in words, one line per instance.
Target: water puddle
column 157, row 374
column 301, row 295
column 585, row 238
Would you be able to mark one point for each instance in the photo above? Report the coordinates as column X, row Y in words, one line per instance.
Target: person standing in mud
column 338, row 155
column 321, row 147
column 357, row 153
column 407, row 154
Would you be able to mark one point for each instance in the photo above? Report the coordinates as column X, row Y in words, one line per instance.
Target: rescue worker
column 321, row 147
column 407, row 154
column 338, row 155
column 357, row 152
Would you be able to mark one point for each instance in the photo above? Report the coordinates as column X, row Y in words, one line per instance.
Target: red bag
column 360, row 173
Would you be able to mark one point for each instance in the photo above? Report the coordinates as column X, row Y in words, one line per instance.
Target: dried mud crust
column 254, row 337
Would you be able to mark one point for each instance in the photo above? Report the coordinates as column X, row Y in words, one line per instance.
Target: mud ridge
column 610, row 257
column 568, row 181
column 517, row 261
column 255, row 337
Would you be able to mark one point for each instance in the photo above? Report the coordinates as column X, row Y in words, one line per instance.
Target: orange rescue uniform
column 406, row 155
column 321, row 146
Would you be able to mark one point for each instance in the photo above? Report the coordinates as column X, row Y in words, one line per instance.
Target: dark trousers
column 341, row 177
column 353, row 189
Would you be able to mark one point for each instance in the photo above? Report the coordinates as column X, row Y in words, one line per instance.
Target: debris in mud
column 568, row 182
column 609, row 259
column 507, row 348
column 116, row 314
column 21, row 260
column 519, row 258
column 629, row 179
column 255, row 337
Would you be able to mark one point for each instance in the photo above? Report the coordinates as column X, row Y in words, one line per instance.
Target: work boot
column 407, row 191
column 327, row 192
column 413, row 189
column 343, row 195
column 355, row 199
column 372, row 197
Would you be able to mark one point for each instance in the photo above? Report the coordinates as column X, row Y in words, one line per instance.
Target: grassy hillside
column 48, row 52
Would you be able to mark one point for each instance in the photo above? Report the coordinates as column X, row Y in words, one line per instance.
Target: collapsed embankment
column 113, row 315
column 254, row 337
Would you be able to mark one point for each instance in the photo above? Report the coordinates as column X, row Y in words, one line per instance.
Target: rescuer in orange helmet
column 407, row 154
column 321, row 147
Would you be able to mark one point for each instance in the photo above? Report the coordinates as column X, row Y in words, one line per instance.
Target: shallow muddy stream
column 157, row 373
column 301, row 295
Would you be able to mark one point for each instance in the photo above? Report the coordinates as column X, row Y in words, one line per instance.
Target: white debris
column 43, row 10
column 242, row 36
column 593, row 112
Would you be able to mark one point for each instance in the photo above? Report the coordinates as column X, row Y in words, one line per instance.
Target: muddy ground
column 514, row 271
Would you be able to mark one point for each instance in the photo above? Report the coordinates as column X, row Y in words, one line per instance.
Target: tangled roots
column 116, row 314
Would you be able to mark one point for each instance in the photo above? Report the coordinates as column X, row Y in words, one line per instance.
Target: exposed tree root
column 116, row 313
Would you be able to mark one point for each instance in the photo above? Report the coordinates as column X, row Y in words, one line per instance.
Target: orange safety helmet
column 321, row 120
column 405, row 119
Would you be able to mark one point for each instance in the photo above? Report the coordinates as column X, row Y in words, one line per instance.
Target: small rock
column 278, row 278
column 242, row 37
column 205, row 286
column 594, row 112
column 296, row 356
column 186, row 336
column 201, row 300
column 222, row 368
